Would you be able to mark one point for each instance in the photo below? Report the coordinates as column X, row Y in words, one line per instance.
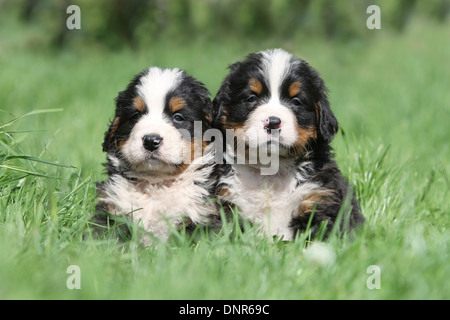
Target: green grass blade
column 30, row 158
column 34, row 112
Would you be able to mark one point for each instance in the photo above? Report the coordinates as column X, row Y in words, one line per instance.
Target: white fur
column 276, row 65
column 254, row 129
column 270, row 201
column 153, row 89
column 156, row 202
column 148, row 186
column 155, row 86
column 172, row 151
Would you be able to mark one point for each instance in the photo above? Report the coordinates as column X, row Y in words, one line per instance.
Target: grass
column 390, row 95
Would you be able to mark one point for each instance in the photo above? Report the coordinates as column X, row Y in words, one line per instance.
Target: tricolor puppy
column 156, row 165
column 276, row 101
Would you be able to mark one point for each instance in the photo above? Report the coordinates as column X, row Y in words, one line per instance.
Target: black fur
column 193, row 92
column 196, row 107
column 234, row 103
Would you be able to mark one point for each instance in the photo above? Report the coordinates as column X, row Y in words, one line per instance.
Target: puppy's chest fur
column 154, row 202
column 270, row 201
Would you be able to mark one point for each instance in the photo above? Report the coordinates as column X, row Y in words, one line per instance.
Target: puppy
column 276, row 102
column 156, row 164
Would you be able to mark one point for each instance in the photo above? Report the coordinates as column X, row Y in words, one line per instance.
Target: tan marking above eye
column 176, row 104
column 139, row 104
column 294, row 88
column 255, row 85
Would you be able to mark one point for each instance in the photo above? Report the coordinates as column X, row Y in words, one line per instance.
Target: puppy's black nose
column 151, row 141
column 272, row 123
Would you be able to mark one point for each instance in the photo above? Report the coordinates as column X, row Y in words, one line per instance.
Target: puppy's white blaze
column 155, row 85
column 276, row 65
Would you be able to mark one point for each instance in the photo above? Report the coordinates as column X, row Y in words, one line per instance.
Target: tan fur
column 294, row 88
column 139, row 104
column 176, row 104
column 313, row 200
column 255, row 85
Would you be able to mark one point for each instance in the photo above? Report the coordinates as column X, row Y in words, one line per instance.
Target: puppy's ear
column 207, row 110
column 202, row 98
column 217, row 111
column 327, row 122
column 110, row 141
column 328, row 125
column 223, row 97
column 218, row 105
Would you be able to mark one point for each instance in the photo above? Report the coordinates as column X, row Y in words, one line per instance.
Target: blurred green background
column 46, row 65
column 389, row 89
column 138, row 24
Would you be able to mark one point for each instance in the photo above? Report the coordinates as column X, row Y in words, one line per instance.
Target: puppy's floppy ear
column 222, row 97
column 328, row 125
column 202, row 97
column 109, row 142
column 206, row 110
column 217, row 109
column 218, row 105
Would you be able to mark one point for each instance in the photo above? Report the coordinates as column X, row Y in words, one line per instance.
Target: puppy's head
column 153, row 127
column 273, row 93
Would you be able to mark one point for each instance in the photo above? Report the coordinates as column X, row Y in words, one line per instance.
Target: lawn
column 390, row 94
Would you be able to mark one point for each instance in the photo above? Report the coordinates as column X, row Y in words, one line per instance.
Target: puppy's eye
column 296, row 102
column 135, row 115
column 252, row 99
column 177, row 117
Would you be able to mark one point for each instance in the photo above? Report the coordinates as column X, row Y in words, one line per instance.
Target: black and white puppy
column 277, row 101
column 155, row 163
